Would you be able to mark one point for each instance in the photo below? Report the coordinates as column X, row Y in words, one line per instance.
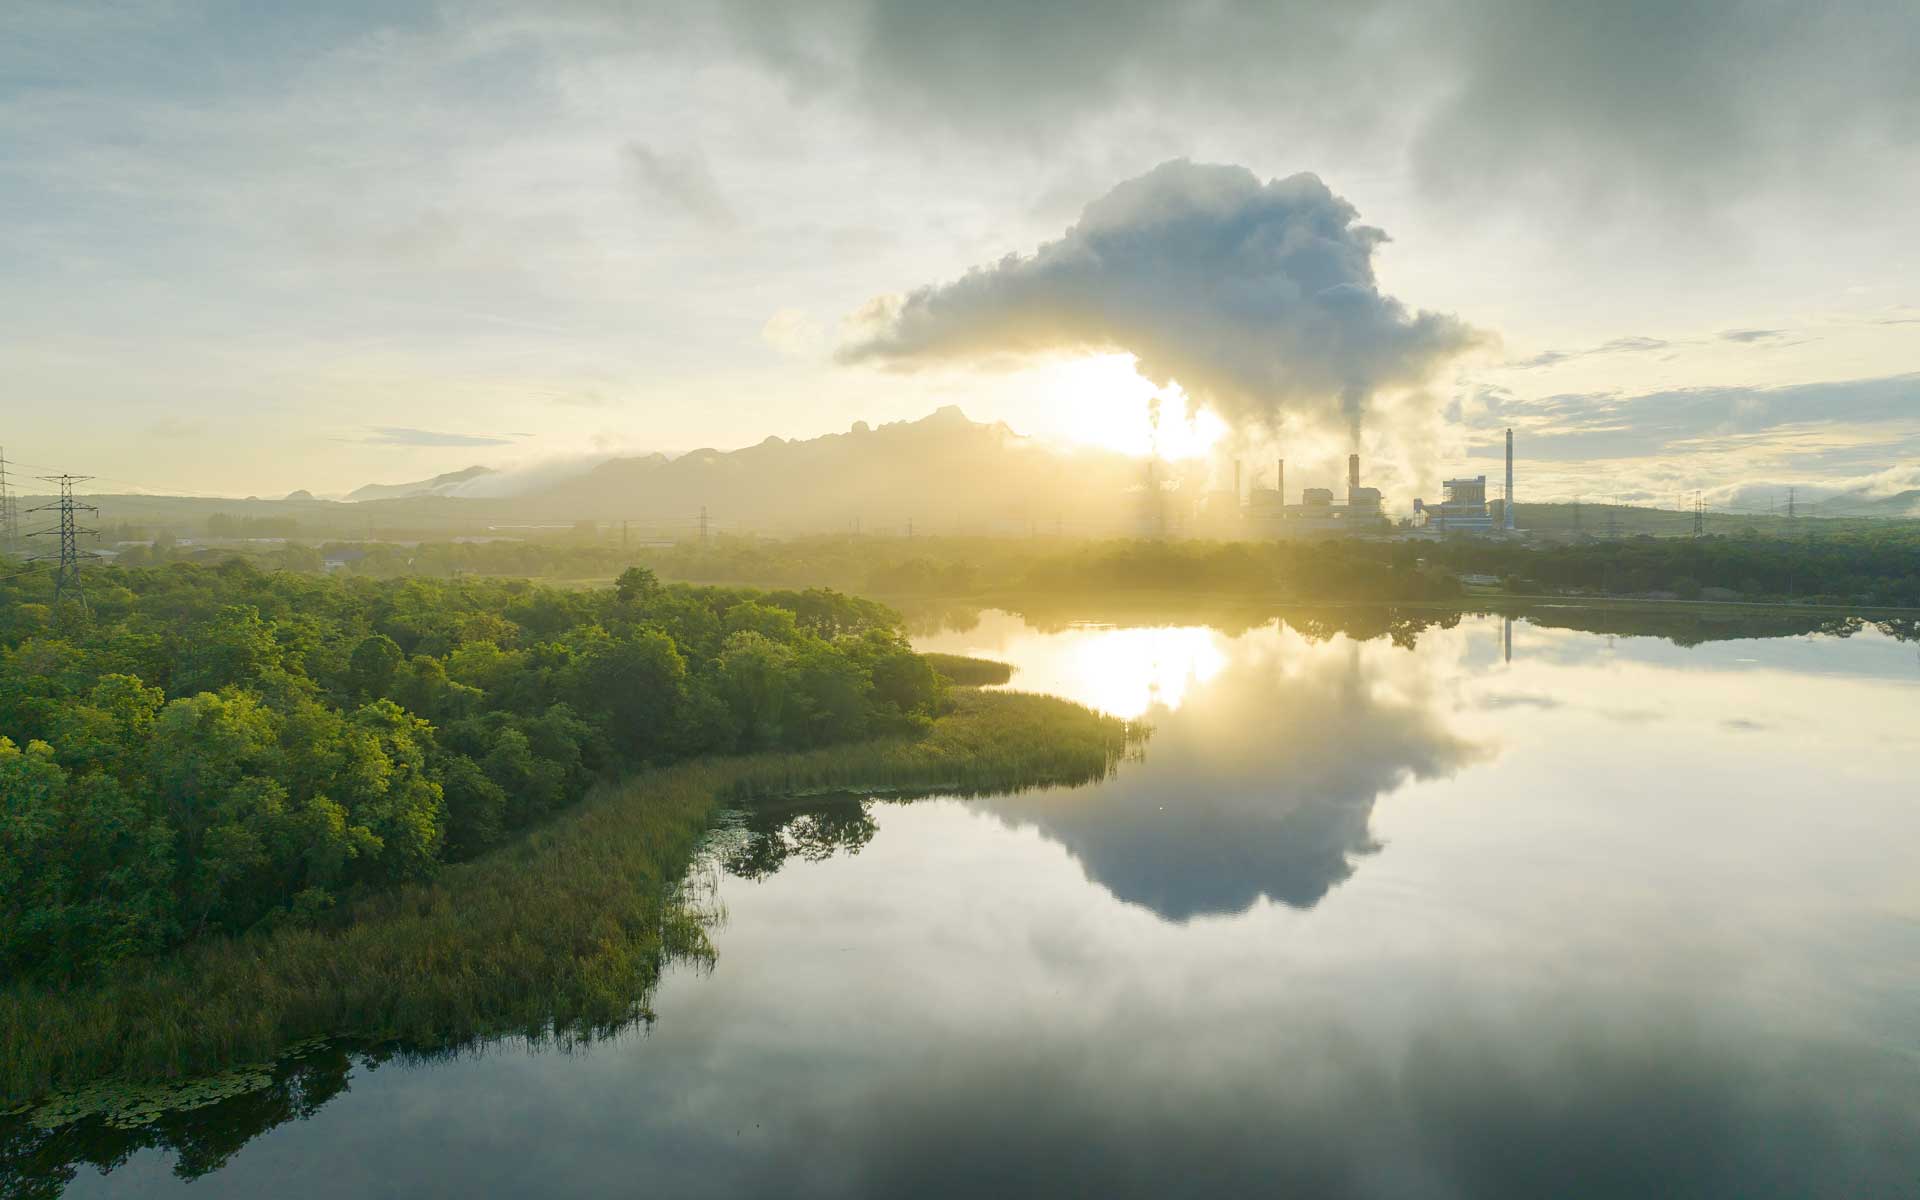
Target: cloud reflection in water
column 1261, row 783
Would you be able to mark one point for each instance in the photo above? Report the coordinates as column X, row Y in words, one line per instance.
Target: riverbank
column 1238, row 609
column 563, row 931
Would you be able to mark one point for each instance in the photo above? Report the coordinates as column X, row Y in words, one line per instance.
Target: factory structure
column 1264, row 512
column 1465, row 509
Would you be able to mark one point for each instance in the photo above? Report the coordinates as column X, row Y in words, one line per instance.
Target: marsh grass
column 967, row 671
column 563, row 932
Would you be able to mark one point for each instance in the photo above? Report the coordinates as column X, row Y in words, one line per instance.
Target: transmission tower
column 1613, row 518
column 1790, row 492
column 1699, row 516
column 9, row 509
column 66, row 576
column 703, row 524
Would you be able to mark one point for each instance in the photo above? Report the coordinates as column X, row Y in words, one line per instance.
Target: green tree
column 110, row 731
column 635, row 683
column 754, row 679
column 372, row 667
column 829, row 696
column 774, row 624
column 636, row 585
column 905, row 681
column 476, row 807
column 234, row 646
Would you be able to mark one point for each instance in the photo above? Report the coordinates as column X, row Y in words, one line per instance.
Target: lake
column 1384, row 908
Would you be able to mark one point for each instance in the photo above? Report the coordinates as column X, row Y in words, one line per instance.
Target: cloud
column 794, row 332
column 1221, row 811
column 683, row 182
column 1749, row 336
column 1579, row 110
column 397, row 436
column 1744, row 446
column 520, row 479
column 1589, row 424
column 1259, row 300
column 1620, row 345
column 1634, row 345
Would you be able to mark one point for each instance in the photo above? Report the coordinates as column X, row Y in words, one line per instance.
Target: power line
column 66, row 577
column 9, row 509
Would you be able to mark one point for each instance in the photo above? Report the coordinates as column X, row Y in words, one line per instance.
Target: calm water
column 1611, row 916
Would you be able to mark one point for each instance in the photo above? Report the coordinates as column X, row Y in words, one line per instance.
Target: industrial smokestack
column 1280, row 478
column 1508, row 506
column 1353, row 474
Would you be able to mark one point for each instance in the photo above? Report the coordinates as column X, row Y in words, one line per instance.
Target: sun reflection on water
column 1125, row 672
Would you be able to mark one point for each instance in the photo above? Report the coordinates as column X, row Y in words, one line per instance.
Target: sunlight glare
column 1125, row 672
column 1109, row 404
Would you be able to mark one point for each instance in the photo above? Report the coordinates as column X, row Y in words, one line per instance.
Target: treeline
column 1877, row 564
column 1873, row 566
column 528, row 559
column 965, row 567
column 216, row 749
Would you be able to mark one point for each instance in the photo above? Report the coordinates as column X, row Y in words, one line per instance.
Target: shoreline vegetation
column 209, row 750
column 562, row 932
column 964, row 671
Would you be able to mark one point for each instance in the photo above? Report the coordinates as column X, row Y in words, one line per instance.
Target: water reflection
column 1597, row 956
column 1262, row 783
column 1270, row 751
column 759, row 841
column 40, row 1161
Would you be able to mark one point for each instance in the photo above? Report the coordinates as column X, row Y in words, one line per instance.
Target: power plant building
column 1465, row 509
column 1267, row 514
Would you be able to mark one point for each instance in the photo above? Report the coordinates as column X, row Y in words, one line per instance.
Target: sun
column 1109, row 404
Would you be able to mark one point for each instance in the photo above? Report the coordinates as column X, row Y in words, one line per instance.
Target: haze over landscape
column 261, row 249
column 881, row 598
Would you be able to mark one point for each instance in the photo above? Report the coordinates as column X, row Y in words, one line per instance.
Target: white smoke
column 1259, row 300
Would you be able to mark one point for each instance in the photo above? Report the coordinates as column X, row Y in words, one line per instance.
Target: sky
column 246, row 248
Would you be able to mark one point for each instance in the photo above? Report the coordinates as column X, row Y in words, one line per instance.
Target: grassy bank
column 969, row 672
column 564, row 930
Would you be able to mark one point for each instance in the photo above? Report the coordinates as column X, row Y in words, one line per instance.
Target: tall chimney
column 1236, row 481
column 1353, row 474
column 1507, row 508
column 1280, row 479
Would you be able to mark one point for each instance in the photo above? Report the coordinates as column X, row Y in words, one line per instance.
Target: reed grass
column 968, row 671
column 564, row 931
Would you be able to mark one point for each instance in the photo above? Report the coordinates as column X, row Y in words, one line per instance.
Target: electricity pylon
column 66, row 576
column 9, row 509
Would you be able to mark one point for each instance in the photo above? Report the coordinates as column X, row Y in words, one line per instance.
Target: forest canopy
column 213, row 749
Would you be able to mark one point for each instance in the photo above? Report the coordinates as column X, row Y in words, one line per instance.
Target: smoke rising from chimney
column 1258, row 299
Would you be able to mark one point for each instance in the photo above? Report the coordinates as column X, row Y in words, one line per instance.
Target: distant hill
column 439, row 485
column 943, row 472
column 1860, row 504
